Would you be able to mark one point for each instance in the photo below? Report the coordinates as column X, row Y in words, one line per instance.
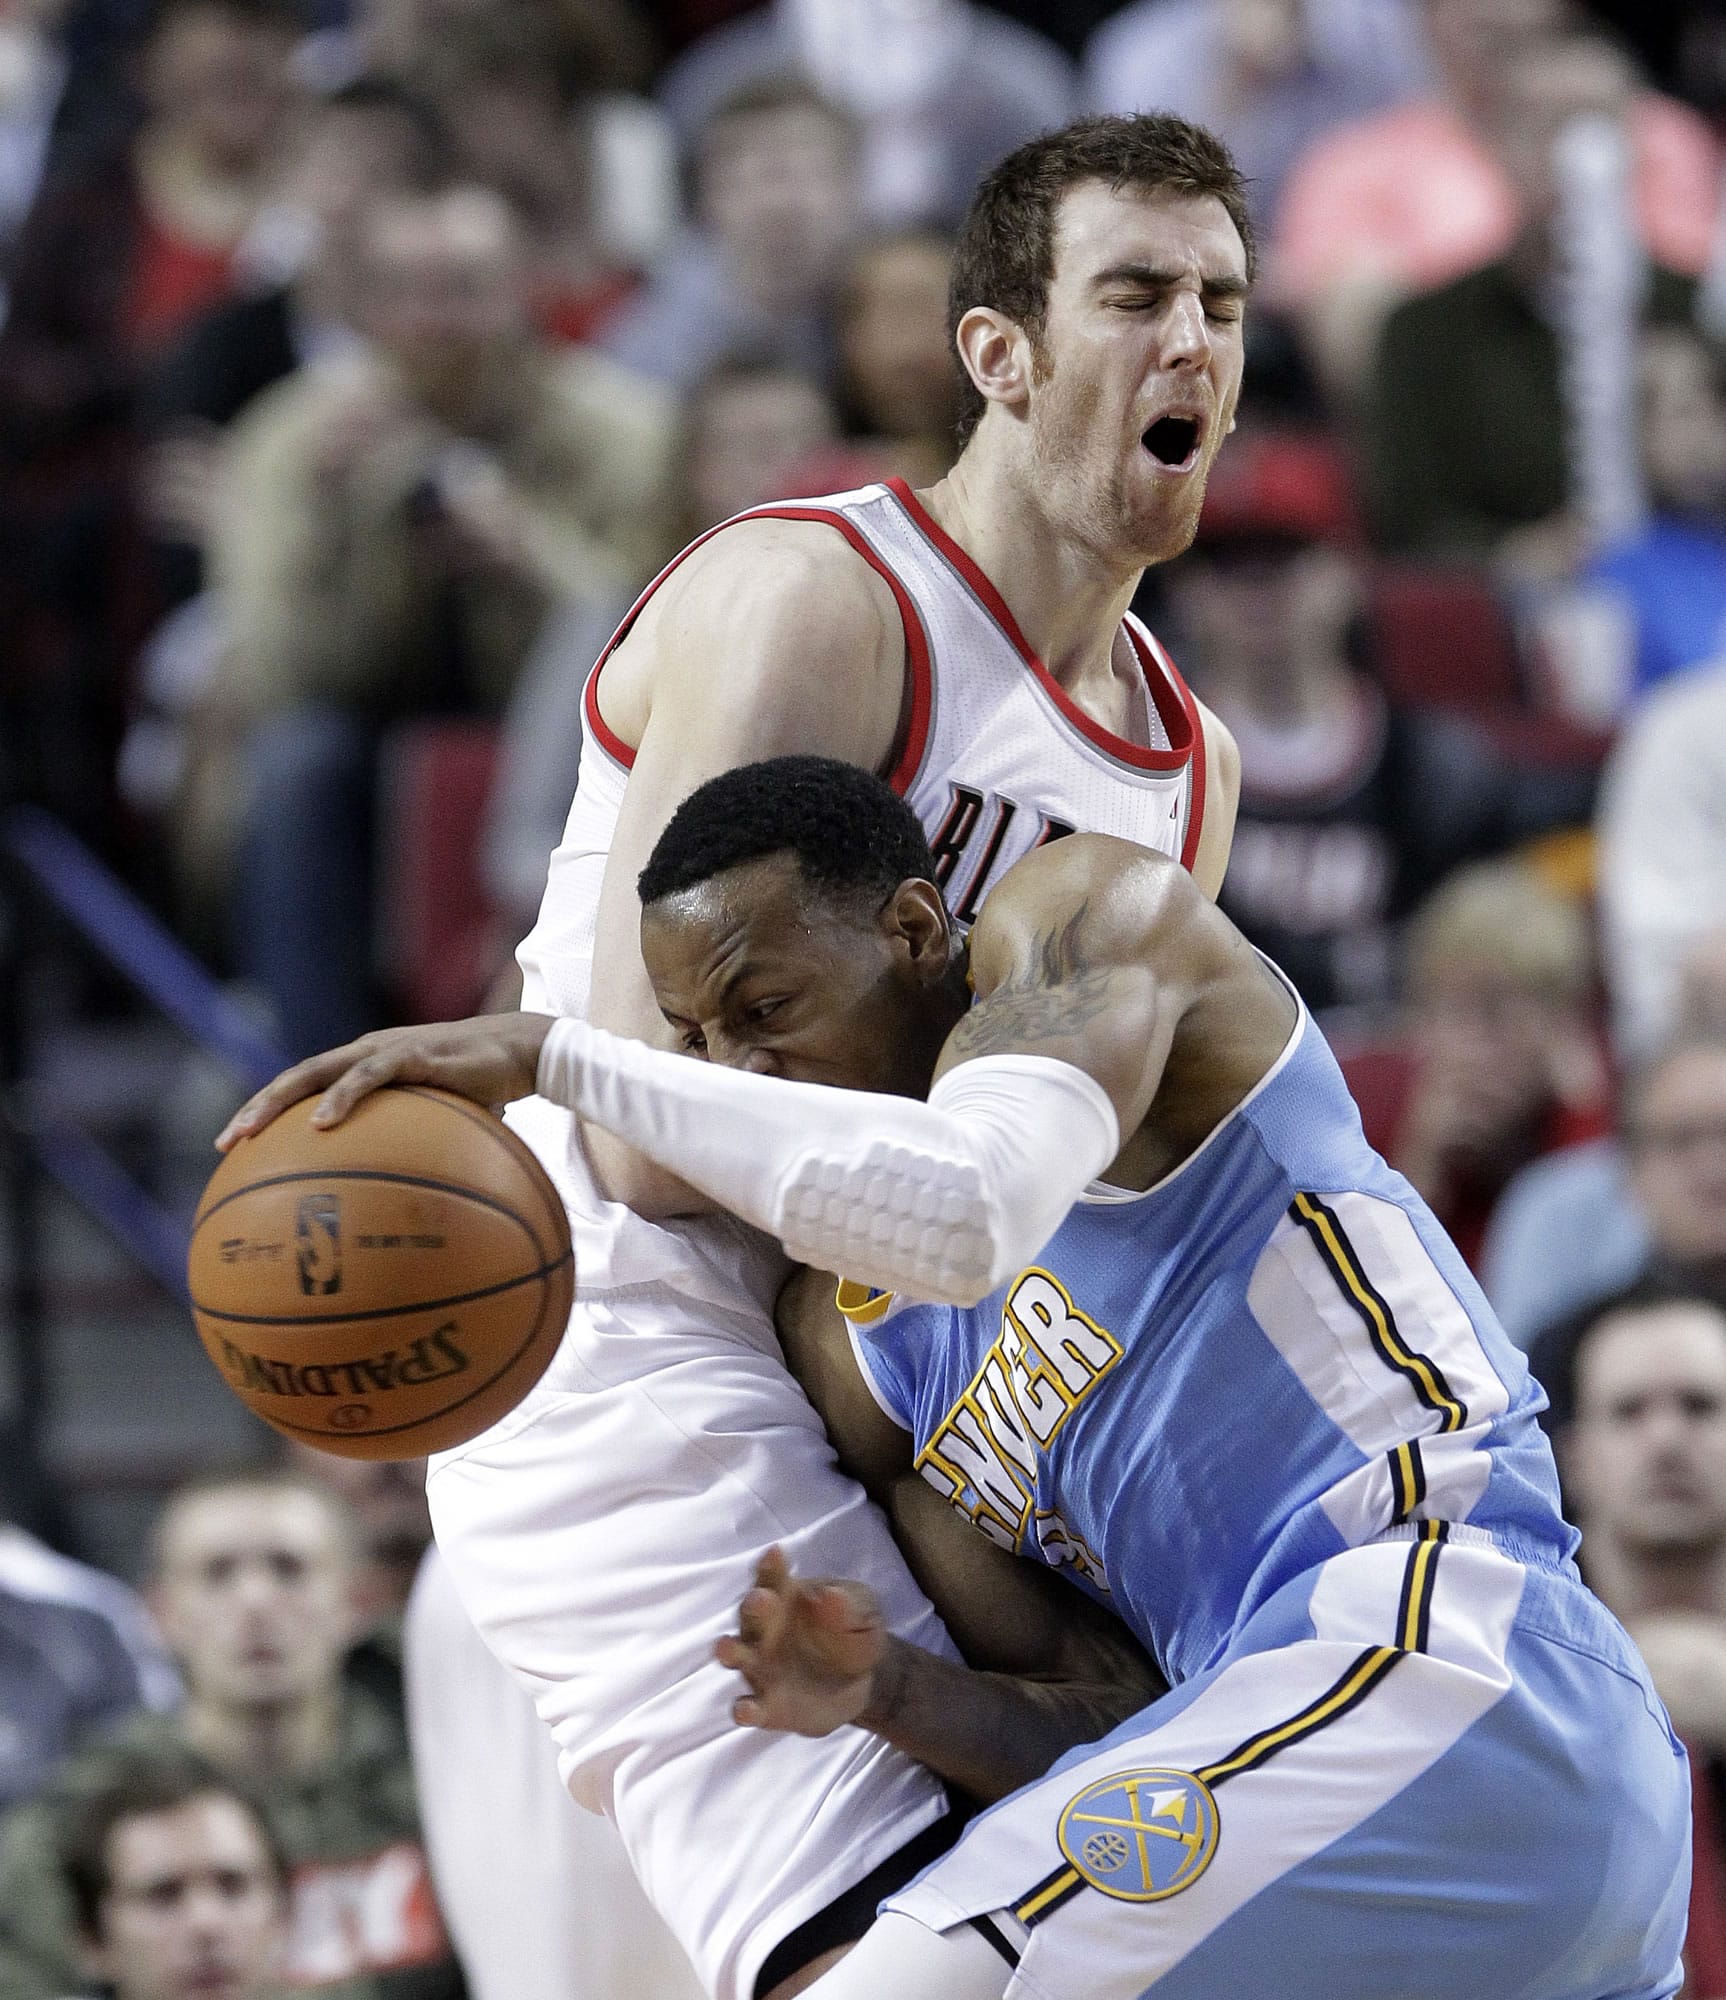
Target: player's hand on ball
column 808, row 1649
column 491, row 1058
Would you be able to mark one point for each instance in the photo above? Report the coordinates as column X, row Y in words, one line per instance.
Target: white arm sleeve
column 943, row 1200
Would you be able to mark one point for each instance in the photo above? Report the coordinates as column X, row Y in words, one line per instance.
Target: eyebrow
column 1163, row 277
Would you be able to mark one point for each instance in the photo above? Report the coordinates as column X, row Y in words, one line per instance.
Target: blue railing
column 57, row 871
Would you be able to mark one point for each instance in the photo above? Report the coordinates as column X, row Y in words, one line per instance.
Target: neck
column 1067, row 598
column 267, row 1739
column 1633, row 1583
column 933, row 1026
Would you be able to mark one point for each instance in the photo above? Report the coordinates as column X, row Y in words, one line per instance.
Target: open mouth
column 1173, row 441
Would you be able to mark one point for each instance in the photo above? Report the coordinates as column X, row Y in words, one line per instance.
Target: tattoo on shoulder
column 1055, row 993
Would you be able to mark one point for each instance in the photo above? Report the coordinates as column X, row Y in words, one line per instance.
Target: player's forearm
column 988, row 1734
column 940, row 1200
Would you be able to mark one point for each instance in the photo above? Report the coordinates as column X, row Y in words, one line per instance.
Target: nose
column 1186, row 332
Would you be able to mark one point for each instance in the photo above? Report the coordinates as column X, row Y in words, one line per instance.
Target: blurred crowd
column 361, row 359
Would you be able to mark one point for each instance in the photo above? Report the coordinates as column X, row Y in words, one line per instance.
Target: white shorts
column 601, row 1537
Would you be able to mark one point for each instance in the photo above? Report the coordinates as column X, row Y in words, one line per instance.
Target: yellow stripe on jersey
column 1424, row 1374
column 1348, row 1693
column 861, row 1304
column 1408, row 1480
column 1051, row 1891
column 1413, row 1622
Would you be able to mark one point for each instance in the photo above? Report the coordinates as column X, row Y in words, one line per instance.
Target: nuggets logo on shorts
column 1141, row 1835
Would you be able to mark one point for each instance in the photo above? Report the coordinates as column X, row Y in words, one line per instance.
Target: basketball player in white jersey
column 973, row 644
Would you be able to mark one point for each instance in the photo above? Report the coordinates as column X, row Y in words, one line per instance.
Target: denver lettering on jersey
column 953, row 837
column 983, row 1455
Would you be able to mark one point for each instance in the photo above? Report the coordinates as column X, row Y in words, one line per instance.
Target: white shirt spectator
column 1662, row 830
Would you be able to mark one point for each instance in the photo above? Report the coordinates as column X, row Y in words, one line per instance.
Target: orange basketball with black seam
column 386, row 1288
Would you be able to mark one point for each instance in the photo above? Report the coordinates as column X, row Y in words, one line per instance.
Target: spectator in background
column 1269, row 77
column 1664, row 582
column 594, row 44
column 178, row 1884
column 125, row 246
column 124, row 249
column 1662, row 835
column 520, row 130
column 1503, row 1065
column 1417, row 196
column 752, row 431
column 370, row 139
column 77, row 1654
column 392, row 538
column 386, row 1498
column 254, row 1576
column 1638, row 1388
column 1466, row 424
column 940, row 91
column 1352, row 807
column 898, row 378
column 1595, row 1217
column 775, row 212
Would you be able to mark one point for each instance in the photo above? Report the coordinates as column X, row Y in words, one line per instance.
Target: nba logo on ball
column 318, row 1248
column 1141, row 1835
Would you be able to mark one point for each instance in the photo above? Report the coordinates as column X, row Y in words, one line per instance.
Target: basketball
column 388, row 1287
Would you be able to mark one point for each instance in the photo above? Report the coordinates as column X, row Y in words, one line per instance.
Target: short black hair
column 851, row 832
column 1555, row 1354
column 137, row 1782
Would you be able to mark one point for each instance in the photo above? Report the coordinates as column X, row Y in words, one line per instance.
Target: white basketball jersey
column 995, row 757
column 602, row 1534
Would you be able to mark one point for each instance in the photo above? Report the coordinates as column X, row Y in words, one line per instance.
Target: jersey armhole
column 1199, row 760
column 861, row 1306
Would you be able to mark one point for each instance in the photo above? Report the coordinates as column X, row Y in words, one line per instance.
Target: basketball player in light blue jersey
column 1132, row 1296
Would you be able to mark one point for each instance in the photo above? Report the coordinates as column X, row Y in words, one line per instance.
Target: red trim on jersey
column 1142, row 636
column 916, row 731
column 1167, row 690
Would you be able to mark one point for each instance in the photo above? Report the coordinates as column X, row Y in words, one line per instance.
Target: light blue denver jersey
column 1202, row 1391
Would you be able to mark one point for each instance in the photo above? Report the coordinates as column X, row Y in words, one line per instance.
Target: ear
column 915, row 919
column 996, row 354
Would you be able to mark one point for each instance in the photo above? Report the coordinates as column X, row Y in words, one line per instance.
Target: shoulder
column 798, row 581
column 1090, row 895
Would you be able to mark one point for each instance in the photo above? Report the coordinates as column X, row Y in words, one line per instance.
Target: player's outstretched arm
column 772, row 639
column 1086, row 958
column 817, row 1656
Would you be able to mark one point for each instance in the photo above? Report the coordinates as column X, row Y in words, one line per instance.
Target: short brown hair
column 1006, row 251
column 140, row 1781
column 266, row 1475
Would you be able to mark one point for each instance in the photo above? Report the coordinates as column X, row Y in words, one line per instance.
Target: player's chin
column 1163, row 516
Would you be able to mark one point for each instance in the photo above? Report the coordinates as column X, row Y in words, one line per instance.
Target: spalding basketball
column 385, row 1288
